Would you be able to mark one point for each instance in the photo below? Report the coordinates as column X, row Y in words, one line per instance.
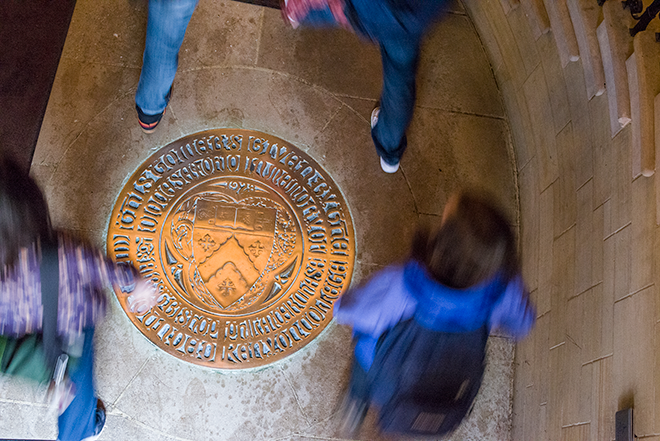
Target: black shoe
column 148, row 123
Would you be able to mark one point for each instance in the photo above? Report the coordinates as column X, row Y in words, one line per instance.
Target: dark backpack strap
column 50, row 276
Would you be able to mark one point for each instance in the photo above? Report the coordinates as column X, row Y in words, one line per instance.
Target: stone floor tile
column 555, row 79
column 181, row 399
column 546, row 250
column 326, row 362
column 95, row 37
column 25, row 421
column 447, row 151
column 121, row 353
column 221, row 33
column 591, row 324
column 119, row 426
column 537, row 95
column 530, row 224
column 91, row 170
column 93, row 87
column 450, row 76
column 256, row 99
column 527, row 44
column 488, row 36
column 565, row 205
column 633, row 361
column 643, row 227
column 603, row 160
column 585, row 237
column 334, row 59
column 583, row 155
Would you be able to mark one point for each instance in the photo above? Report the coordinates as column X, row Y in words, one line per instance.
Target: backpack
column 426, row 381
column 35, row 356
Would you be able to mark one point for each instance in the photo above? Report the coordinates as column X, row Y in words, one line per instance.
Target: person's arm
column 377, row 305
column 514, row 312
column 95, row 269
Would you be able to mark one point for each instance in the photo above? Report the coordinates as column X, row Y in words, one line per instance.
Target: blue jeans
column 79, row 419
column 398, row 34
column 166, row 27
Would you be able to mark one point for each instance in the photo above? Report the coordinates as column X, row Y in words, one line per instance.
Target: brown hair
column 23, row 212
column 472, row 244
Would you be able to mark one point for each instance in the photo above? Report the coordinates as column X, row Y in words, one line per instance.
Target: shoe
column 388, row 168
column 148, row 123
column 100, row 421
column 351, row 415
column 374, row 115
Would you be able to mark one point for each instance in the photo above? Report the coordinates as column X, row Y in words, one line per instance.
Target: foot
column 351, row 415
column 148, row 123
column 388, row 168
column 100, row 420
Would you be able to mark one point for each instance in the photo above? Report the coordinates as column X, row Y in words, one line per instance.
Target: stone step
column 537, row 16
column 562, row 29
column 584, row 16
column 616, row 46
column 509, row 5
column 644, row 85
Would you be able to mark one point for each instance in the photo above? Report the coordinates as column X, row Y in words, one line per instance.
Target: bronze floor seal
column 248, row 239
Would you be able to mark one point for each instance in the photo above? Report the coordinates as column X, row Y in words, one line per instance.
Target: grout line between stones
column 295, row 397
column 121, row 394
column 412, row 194
column 121, row 414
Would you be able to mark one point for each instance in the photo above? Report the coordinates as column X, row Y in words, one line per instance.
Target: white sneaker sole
column 387, row 168
column 374, row 116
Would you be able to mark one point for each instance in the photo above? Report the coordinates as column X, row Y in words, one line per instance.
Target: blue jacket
column 400, row 292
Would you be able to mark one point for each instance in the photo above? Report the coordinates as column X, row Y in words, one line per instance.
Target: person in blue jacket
column 459, row 277
column 397, row 27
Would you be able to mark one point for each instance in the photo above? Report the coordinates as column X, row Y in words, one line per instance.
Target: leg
column 79, row 419
column 319, row 18
column 166, row 27
column 355, row 404
column 400, row 59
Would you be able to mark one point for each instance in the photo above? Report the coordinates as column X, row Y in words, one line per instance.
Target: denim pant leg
column 319, row 18
column 400, row 59
column 79, row 419
column 166, row 27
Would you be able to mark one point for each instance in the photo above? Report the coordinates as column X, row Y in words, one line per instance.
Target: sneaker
column 374, row 115
column 100, row 421
column 351, row 414
column 388, row 168
column 148, row 123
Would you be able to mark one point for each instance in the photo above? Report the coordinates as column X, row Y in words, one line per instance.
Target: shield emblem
column 231, row 245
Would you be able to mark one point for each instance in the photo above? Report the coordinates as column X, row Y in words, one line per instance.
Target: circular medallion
column 248, row 240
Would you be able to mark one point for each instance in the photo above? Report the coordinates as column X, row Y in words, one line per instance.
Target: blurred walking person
column 420, row 327
column 397, row 27
column 51, row 297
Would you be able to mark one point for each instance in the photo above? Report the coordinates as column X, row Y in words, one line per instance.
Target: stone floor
column 241, row 67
